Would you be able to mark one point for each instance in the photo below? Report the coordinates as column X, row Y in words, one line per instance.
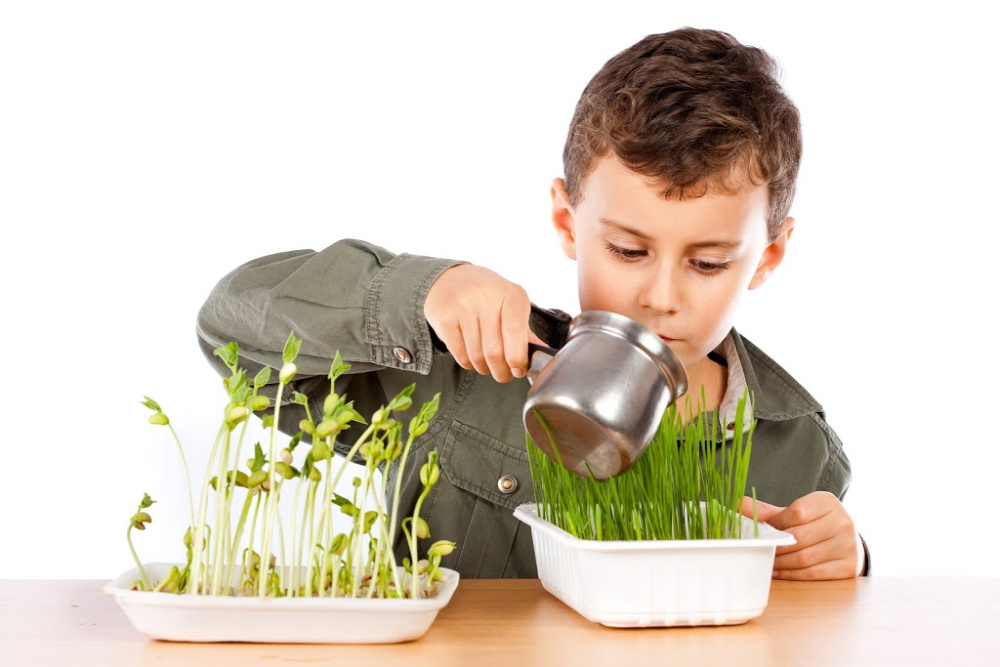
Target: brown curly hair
column 695, row 109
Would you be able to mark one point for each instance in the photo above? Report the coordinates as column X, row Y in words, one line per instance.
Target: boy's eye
column 709, row 268
column 624, row 254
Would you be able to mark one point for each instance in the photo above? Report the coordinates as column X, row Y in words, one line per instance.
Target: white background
column 148, row 148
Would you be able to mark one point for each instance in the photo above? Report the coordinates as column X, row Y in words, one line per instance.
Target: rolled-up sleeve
column 353, row 297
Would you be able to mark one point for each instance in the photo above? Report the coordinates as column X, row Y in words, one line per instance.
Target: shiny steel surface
column 602, row 394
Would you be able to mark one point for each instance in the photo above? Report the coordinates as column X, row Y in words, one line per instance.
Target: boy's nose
column 661, row 292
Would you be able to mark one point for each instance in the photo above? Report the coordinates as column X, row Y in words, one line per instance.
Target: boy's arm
column 352, row 297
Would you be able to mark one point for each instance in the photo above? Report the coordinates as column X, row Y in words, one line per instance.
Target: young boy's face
column 677, row 267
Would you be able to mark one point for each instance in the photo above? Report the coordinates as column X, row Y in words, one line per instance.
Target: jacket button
column 402, row 354
column 507, row 484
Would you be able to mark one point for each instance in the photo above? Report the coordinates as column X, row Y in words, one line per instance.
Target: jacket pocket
column 495, row 543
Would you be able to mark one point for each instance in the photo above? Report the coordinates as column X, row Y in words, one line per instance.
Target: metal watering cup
column 602, row 394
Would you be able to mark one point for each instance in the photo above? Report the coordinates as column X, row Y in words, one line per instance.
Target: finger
column 474, row 346
column 494, row 348
column 804, row 510
column 532, row 338
column 452, row 338
column 765, row 511
column 514, row 328
column 827, row 527
column 826, row 570
column 810, row 554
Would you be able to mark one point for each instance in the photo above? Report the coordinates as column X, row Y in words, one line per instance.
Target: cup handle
column 539, row 356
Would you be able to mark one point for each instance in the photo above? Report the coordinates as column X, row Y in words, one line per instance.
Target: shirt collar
column 736, row 385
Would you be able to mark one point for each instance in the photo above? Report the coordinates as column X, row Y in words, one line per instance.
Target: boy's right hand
column 483, row 320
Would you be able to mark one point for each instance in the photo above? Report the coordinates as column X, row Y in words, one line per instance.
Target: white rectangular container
column 220, row 618
column 658, row 583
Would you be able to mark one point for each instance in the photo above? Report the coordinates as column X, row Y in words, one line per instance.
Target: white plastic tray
column 207, row 618
column 657, row 583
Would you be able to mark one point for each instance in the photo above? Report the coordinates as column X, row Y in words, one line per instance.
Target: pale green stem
column 310, row 506
column 236, row 540
column 221, row 491
column 395, row 503
column 362, row 563
column 385, row 544
column 142, row 570
column 326, row 517
column 187, row 477
column 272, row 499
column 296, row 556
column 198, row 545
column 281, row 545
column 415, row 588
column 253, row 528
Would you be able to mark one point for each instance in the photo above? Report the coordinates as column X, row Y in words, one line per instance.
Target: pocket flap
column 477, row 462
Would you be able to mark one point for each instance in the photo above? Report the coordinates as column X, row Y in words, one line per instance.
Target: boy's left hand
column 826, row 544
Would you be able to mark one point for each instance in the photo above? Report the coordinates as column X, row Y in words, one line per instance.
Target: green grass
column 660, row 496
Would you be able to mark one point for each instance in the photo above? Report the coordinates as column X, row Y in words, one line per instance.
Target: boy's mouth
column 666, row 340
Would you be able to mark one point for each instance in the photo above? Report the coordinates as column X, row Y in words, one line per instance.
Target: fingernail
column 517, row 372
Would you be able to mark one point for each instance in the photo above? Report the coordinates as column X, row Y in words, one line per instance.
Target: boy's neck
column 711, row 376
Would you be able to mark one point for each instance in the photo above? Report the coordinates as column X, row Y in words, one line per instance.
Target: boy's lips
column 666, row 340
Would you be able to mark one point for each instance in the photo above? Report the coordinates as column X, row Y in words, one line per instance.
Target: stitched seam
column 374, row 305
column 458, row 429
column 834, row 448
column 793, row 386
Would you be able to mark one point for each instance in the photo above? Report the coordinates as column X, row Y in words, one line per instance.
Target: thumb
column 532, row 338
column 765, row 511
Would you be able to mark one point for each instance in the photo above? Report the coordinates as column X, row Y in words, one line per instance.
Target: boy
column 680, row 168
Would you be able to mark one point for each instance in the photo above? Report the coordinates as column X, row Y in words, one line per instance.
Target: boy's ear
column 562, row 218
column 773, row 254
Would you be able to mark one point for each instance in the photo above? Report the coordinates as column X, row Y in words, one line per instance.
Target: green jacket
column 368, row 303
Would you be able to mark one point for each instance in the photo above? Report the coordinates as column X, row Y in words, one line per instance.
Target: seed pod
column 327, row 427
column 307, row 426
column 379, row 416
column 159, row 419
column 442, row 547
column 258, row 403
column 284, row 470
column 345, row 417
column 423, row 530
column 287, row 373
column 320, row 451
column 236, row 414
column 314, row 474
column 429, row 474
column 330, row 403
column 256, row 478
column 286, row 457
column 417, row 427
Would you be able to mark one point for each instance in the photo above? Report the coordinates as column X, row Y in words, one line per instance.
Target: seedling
column 321, row 561
column 661, row 496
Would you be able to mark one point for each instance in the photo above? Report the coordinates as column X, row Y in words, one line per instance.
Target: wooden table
column 876, row 621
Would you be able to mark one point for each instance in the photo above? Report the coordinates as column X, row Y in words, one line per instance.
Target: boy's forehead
column 610, row 172
column 619, row 194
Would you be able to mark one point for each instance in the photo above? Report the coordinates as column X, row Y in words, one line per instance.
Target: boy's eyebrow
column 625, row 228
column 723, row 245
